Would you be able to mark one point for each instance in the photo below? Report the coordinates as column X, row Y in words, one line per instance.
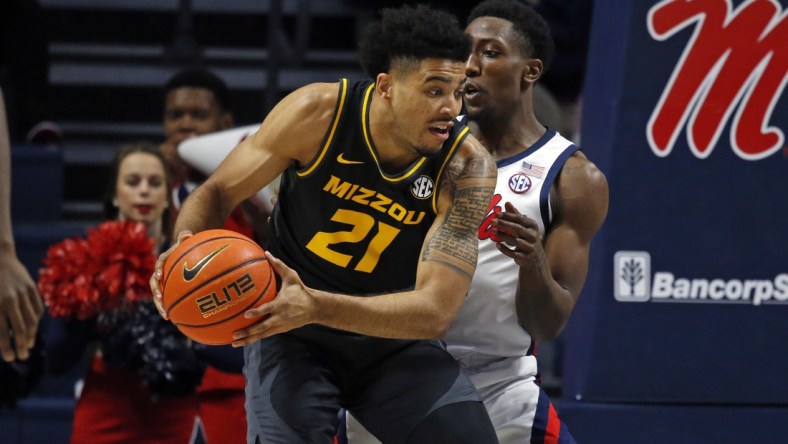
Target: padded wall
column 687, row 299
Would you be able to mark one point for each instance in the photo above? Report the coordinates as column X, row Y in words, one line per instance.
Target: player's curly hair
column 537, row 40
column 411, row 33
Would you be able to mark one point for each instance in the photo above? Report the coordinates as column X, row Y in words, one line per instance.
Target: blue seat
column 36, row 183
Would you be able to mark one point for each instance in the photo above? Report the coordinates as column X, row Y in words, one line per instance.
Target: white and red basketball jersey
column 487, row 322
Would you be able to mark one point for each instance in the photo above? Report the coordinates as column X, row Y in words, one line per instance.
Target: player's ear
column 532, row 71
column 383, row 84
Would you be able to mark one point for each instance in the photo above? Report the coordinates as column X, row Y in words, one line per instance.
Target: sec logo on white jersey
column 519, row 183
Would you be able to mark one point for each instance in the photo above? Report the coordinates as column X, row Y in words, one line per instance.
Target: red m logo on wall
column 734, row 68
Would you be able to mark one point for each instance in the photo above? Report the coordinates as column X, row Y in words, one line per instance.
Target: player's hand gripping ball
column 210, row 280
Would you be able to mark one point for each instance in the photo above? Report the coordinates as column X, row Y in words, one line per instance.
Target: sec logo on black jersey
column 422, row 187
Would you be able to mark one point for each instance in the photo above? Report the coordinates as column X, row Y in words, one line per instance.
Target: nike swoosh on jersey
column 191, row 273
column 341, row 159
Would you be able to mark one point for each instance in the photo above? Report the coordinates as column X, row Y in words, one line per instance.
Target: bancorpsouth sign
column 635, row 282
column 733, row 69
column 688, row 118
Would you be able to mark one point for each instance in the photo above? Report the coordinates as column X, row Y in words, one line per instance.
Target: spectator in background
column 20, row 304
column 197, row 102
column 143, row 373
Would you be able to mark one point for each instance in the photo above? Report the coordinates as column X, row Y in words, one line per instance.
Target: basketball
column 210, row 280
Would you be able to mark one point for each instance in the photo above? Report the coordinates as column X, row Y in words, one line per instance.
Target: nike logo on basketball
column 341, row 159
column 191, row 273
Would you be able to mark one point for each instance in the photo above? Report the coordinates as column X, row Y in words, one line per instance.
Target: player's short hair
column 527, row 23
column 411, row 34
column 201, row 78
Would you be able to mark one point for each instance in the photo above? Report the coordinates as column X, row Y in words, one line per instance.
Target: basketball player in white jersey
column 549, row 202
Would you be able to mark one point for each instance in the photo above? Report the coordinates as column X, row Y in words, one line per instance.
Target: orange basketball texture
column 210, row 280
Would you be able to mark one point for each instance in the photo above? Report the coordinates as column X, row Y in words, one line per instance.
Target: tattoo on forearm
column 455, row 242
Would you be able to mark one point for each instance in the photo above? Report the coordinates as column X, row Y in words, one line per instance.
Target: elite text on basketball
column 232, row 293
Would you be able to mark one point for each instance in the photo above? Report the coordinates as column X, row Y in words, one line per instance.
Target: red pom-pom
column 108, row 269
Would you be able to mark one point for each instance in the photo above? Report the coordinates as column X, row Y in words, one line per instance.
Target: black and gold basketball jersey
column 343, row 223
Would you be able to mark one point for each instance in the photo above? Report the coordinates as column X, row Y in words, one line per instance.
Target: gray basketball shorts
column 297, row 382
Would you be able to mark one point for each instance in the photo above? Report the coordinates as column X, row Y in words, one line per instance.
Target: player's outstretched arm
column 553, row 270
column 20, row 304
column 447, row 262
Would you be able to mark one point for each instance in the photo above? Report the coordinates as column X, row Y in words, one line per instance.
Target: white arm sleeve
column 205, row 153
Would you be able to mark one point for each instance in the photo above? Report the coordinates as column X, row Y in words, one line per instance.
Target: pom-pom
column 106, row 275
column 108, row 269
column 143, row 340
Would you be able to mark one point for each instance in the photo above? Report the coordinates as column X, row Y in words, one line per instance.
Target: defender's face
column 141, row 189
column 494, row 68
column 190, row 112
column 426, row 101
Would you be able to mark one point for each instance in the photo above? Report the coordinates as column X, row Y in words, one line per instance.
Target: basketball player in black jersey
column 374, row 239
